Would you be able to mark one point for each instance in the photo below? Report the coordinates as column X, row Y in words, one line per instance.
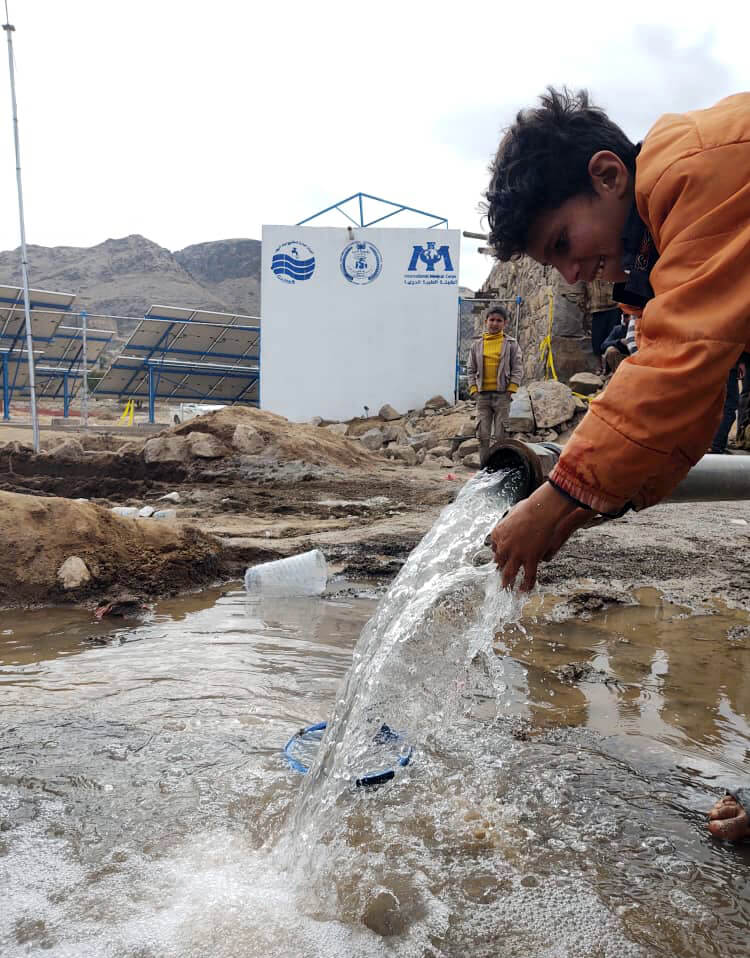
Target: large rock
column 571, row 354
column 338, row 428
column 467, row 448
column 247, row 440
column 552, row 402
column 70, row 450
column 372, row 439
column 424, row 440
column 471, row 462
column 440, row 452
column 205, row 446
column 388, row 413
column 73, row 573
column 437, row 402
column 167, row 449
column 520, row 416
column 568, row 317
column 406, row 454
column 586, row 383
column 394, row 432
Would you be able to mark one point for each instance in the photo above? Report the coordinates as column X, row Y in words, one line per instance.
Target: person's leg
column 719, row 442
column 484, row 424
column 501, row 411
column 743, row 411
column 612, row 358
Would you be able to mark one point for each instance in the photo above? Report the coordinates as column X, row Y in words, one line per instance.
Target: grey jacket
column 509, row 368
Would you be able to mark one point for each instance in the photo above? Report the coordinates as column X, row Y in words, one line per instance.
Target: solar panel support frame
column 6, row 388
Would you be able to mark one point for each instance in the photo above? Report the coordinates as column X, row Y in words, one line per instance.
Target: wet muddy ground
column 145, row 805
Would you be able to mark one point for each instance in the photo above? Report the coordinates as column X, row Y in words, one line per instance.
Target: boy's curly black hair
column 543, row 160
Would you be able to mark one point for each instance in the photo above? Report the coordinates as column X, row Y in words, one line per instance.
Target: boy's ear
column 608, row 173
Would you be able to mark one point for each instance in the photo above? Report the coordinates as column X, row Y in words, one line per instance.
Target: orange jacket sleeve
column 659, row 412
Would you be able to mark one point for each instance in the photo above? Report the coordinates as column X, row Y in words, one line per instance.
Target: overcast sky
column 188, row 122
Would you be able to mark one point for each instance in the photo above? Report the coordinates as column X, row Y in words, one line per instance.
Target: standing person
column 742, row 440
column 494, row 374
column 732, row 401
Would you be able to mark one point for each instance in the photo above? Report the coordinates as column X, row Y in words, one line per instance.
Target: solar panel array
column 193, row 355
column 48, row 310
column 64, row 356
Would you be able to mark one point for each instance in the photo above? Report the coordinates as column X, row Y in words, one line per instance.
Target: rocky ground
column 245, row 486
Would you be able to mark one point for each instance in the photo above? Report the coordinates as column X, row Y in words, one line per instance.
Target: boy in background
column 494, row 372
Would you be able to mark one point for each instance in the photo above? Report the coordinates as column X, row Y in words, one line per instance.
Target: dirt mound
column 283, row 441
column 121, row 555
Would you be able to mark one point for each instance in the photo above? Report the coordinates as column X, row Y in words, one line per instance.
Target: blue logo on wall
column 293, row 262
column 430, row 265
column 361, row 263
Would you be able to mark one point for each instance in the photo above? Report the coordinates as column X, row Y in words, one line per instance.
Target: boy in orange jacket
column 668, row 221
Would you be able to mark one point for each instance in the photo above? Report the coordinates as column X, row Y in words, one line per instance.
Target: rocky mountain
column 123, row 277
column 229, row 268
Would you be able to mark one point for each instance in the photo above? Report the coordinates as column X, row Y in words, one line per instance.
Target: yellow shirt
column 491, row 351
column 492, row 348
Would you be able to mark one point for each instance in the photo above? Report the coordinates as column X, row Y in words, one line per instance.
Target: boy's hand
column 534, row 530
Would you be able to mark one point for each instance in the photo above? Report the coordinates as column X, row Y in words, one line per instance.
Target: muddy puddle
column 145, row 807
column 650, row 673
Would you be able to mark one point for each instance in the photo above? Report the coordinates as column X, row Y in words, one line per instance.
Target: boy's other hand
column 728, row 820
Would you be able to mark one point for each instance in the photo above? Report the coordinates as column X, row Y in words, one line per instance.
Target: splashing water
column 416, row 859
column 414, row 656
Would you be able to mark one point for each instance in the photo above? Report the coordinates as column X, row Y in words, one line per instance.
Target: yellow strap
column 128, row 412
column 545, row 349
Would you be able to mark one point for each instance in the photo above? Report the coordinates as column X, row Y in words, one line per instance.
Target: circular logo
column 361, row 263
column 293, row 262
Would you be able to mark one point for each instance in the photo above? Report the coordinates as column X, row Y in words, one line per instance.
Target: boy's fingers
column 529, row 576
column 510, row 571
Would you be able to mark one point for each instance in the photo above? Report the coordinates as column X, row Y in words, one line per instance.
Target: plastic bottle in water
column 303, row 574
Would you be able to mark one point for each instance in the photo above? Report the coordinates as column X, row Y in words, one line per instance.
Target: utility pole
column 9, row 29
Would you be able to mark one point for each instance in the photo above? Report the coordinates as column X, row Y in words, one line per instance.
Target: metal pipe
column 713, row 479
column 535, row 461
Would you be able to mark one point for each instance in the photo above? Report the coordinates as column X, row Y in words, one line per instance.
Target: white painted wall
column 336, row 338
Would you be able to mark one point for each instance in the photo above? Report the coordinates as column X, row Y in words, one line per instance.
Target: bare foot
column 728, row 820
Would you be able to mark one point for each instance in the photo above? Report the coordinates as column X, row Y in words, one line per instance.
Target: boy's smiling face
column 582, row 238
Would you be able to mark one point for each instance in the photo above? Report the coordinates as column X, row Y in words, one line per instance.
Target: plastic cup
column 303, row 574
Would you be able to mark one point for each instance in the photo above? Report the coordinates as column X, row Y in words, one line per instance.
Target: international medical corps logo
column 361, row 263
column 431, row 265
column 293, row 262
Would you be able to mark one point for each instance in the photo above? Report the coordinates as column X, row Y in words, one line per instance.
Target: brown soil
column 311, row 488
column 122, row 555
